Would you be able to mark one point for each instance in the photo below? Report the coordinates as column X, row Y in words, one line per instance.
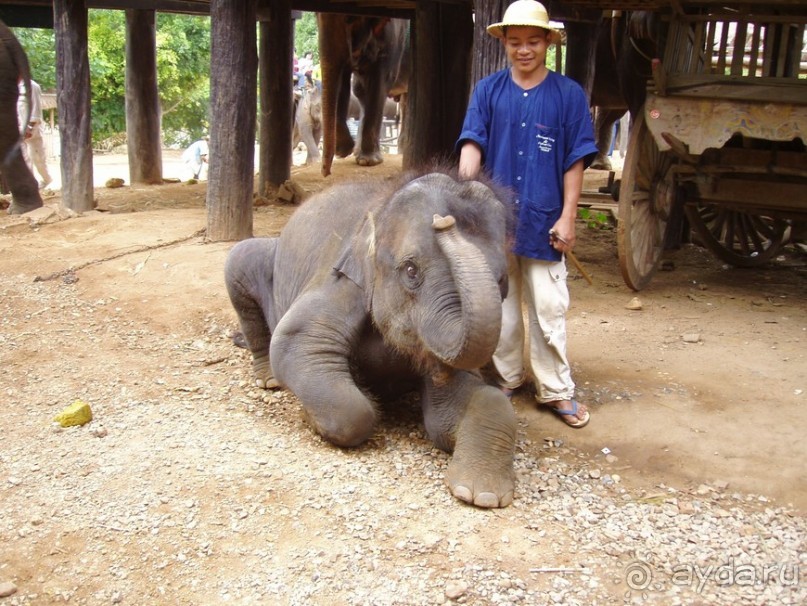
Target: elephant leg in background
column 477, row 423
column 344, row 140
column 371, row 92
column 604, row 121
column 18, row 177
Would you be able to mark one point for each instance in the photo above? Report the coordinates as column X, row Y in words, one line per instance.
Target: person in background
column 530, row 128
column 195, row 157
column 34, row 148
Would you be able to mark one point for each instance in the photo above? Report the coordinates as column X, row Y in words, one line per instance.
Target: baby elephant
column 374, row 288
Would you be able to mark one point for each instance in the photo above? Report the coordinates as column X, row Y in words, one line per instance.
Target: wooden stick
column 579, row 267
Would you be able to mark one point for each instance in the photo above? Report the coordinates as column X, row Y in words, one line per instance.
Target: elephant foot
column 344, row 146
column 489, row 486
column 601, row 163
column 369, row 159
column 262, row 371
column 16, row 209
column 481, row 469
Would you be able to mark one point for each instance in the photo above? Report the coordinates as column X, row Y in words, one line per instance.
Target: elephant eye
column 411, row 274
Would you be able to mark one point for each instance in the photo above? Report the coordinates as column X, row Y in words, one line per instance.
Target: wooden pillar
column 73, row 101
column 489, row 55
column 233, row 82
column 441, row 49
column 142, row 98
column 277, row 100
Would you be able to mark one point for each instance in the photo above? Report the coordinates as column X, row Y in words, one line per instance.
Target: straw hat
column 527, row 13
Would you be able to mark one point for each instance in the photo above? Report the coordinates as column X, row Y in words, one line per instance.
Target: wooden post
column 489, row 55
column 441, row 47
column 233, row 83
column 142, row 98
column 277, row 101
column 73, row 101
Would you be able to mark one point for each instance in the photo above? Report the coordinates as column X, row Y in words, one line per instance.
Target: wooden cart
column 721, row 137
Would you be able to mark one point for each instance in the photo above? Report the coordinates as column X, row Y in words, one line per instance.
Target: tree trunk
column 142, row 98
column 441, row 49
column 233, row 83
column 277, row 101
column 73, row 100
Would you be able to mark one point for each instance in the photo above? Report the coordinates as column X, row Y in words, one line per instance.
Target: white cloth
column 195, row 156
column 34, row 149
column 544, row 289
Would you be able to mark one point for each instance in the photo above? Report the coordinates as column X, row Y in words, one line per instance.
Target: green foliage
column 594, row 220
column 183, row 72
column 305, row 36
column 40, row 46
column 106, row 42
column 183, row 68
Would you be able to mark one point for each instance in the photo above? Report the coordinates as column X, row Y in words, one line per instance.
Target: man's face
column 526, row 47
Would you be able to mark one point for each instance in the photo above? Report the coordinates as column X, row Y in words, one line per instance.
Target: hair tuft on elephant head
column 361, row 300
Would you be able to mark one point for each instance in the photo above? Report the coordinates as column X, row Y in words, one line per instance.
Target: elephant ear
column 355, row 259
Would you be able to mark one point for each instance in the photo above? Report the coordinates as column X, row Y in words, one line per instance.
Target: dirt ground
column 703, row 389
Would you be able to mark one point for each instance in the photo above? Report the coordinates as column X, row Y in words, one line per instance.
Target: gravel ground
column 192, row 487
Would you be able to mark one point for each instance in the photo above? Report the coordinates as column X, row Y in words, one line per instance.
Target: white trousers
column 34, row 153
column 542, row 286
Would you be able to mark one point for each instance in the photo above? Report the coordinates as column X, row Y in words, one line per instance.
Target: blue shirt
column 529, row 139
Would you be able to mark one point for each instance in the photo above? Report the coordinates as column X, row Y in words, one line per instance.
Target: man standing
column 34, row 148
column 531, row 130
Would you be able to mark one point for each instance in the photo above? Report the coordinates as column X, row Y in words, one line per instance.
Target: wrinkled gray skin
column 371, row 290
column 19, row 179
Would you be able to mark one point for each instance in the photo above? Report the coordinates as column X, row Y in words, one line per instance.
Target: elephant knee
column 350, row 426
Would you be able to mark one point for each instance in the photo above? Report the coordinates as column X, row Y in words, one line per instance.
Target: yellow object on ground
column 78, row 413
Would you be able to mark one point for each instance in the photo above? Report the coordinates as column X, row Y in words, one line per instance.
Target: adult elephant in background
column 626, row 45
column 21, row 182
column 375, row 51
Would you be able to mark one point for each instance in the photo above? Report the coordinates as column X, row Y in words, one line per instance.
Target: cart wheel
column 738, row 238
column 646, row 197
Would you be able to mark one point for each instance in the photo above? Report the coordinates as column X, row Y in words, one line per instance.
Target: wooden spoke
column 736, row 237
column 646, row 195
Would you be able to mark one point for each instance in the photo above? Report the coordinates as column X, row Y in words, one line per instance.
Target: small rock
column 100, row 431
column 594, row 474
column 635, row 304
column 611, row 458
column 6, row 589
column 691, row 337
column 78, row 413
column 456, row 589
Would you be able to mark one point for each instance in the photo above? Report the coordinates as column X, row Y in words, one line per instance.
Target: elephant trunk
column 463, row 332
